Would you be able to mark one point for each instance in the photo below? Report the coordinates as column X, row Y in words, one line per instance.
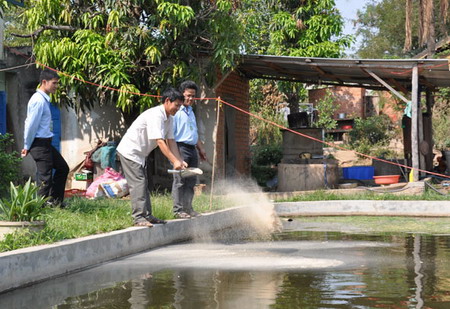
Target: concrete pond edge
column 24, row 267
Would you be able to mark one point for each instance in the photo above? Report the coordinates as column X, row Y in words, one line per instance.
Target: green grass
column 390, row 225
column 85, row 217
column 368, row 195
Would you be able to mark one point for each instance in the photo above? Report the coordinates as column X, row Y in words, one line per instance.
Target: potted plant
column 23, row 209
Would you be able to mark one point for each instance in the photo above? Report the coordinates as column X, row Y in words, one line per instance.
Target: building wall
column 80, row 130
column 233, row 143
column 349, row 99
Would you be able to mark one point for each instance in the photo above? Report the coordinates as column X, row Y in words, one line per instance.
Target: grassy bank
column 377, row 225
column 83, row 217
column 323, row 195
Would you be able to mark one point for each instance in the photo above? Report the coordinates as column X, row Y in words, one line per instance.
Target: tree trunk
column 408, row 34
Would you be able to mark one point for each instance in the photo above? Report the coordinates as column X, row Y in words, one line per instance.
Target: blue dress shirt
column 39, row 119
column 185, row 126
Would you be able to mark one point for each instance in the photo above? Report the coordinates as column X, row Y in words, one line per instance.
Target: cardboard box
column 83, row 176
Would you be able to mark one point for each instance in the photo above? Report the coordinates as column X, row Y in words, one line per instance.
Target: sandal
column 155, row 220
column 182, row 215
column 143, row 223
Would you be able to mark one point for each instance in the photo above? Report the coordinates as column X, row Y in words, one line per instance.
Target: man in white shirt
column 38, row 141
column 153, row 128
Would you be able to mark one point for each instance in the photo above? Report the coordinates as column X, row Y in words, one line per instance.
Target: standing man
column 153, row 128
column 38, row 141
column 186, row 136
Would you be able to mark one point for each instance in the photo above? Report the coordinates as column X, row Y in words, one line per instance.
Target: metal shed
column 405, row 78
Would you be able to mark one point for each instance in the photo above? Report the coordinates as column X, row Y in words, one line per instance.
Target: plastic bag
column 117, row 185
column 114, row 188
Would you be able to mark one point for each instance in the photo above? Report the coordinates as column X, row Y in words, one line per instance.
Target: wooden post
column 216, row 130
column 415, row 122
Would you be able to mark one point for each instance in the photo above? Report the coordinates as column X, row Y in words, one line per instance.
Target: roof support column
column 415, row 121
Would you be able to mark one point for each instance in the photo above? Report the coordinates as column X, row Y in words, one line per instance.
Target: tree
column 137, row 46
column 307, row 28
column 381, row 27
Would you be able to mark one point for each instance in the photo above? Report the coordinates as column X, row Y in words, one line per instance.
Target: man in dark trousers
column 38, row 141
column 186, row 136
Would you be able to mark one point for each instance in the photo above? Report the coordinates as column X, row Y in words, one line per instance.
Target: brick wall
column 349, row 99
column 233, row 144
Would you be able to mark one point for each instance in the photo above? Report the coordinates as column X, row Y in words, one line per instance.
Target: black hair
column 48, row 74
column 188, row 84
column 172, row 94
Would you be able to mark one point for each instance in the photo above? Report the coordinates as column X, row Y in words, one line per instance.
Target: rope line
column 332, row 145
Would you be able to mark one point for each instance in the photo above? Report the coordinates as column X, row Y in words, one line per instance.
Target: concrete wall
column 294, row 145
column 80, row 130
column 30, row 265
column 20, row 85
column 302, row 177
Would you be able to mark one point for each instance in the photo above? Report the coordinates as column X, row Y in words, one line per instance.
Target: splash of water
column 252, row 208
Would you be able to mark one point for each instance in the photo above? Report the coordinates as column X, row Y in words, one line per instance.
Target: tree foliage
column 144, row 46
column 381, row 27
column 135, row 45
column 307, row 28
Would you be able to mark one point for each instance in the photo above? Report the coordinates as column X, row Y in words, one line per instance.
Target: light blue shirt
column 39, row 119
column 185, row 126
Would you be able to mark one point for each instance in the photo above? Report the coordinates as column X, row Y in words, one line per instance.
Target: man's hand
column 202, row 155
column 24, row 153
column 179, row 165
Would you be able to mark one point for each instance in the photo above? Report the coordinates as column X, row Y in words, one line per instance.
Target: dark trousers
column 183, row 188
column 47, row 159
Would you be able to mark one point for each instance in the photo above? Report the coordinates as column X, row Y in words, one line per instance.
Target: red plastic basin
column 386, row 179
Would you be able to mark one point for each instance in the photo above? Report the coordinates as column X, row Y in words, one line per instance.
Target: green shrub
column 9, row 163
column 267, row 155
column 370, row 134
column 23, row 204
column 263, row 160
column 326, row 107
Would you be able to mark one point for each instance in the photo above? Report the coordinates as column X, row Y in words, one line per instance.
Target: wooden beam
column 399, row 86
column 387, row 85
column 325, row 74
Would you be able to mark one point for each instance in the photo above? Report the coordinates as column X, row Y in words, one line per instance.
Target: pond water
column 295, row 269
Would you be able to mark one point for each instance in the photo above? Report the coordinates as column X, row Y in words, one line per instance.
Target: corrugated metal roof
column 433, row 73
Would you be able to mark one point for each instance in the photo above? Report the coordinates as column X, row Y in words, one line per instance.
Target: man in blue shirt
column 186, row 136
column 38, row 141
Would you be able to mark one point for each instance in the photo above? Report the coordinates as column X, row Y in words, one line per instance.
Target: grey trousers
column 183, row 188
column 136, row 176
